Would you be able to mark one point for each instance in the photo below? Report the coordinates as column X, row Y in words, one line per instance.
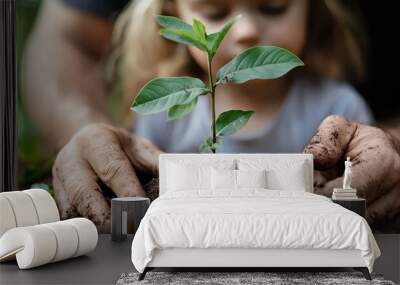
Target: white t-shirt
column 309, row 101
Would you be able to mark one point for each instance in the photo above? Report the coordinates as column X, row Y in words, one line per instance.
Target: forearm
column 62, row 85
column 58, row 104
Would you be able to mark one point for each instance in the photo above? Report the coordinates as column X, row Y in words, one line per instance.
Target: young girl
column 287, row 110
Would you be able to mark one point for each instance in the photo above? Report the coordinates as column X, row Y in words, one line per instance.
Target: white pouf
column 32, row 246
column 7, row 218
column 87, row 235
column 40, row 244
column 45, row 205
column 26, row 208
column 24, row 211
column 67, row 240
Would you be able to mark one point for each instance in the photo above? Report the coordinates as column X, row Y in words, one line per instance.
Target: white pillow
column 203, row 160
column 226, row 179
column 223, row 179
column 293, row 180
column 182, row 178
column 281, row 174
column 251, row 178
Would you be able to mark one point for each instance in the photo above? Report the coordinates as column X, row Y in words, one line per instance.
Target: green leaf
column 231, row 121
column 173, row 23
column 210, row 40
column 160, row 94
column 208, row 145
column 214, row 40
column 263, row 62
column 178, row 111
column 183, row 37
column 200, row 31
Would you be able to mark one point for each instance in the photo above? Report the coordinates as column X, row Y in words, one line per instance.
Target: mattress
column 251, row 219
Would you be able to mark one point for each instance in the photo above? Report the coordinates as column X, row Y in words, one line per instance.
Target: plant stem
column 212, row 88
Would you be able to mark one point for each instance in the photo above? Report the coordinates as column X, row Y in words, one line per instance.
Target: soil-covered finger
column 110, row 162
column 330, row 142
column 81, row 189
column 65, row 208
column 116, row 171
column 143, row 154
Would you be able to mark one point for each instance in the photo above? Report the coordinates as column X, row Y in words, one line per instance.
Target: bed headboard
column 209, row 158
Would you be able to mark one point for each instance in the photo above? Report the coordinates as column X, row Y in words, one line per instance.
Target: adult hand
column 100, row 152
column 376, row 164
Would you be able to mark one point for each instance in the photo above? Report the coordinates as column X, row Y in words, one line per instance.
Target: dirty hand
column 100, row 153
column 375, row 157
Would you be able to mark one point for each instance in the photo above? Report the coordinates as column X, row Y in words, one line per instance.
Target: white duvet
column 250, row 219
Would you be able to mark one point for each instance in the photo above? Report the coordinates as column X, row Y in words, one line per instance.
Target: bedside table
column 357, row 205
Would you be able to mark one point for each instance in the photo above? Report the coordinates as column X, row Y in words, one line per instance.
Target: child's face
column 264, row 22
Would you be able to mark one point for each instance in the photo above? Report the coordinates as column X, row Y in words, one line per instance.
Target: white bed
column 249, row 227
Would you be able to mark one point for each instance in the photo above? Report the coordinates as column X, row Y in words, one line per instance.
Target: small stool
column 126, row 214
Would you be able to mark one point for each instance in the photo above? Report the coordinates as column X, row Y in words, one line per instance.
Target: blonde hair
column 334, row 48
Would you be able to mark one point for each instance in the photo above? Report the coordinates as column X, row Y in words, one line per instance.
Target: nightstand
column 357, row 205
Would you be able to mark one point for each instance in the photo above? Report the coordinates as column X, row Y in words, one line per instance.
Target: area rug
column 243, row 278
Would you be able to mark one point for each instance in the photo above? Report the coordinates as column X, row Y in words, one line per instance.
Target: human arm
column 62, row 84
column 65, row 97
